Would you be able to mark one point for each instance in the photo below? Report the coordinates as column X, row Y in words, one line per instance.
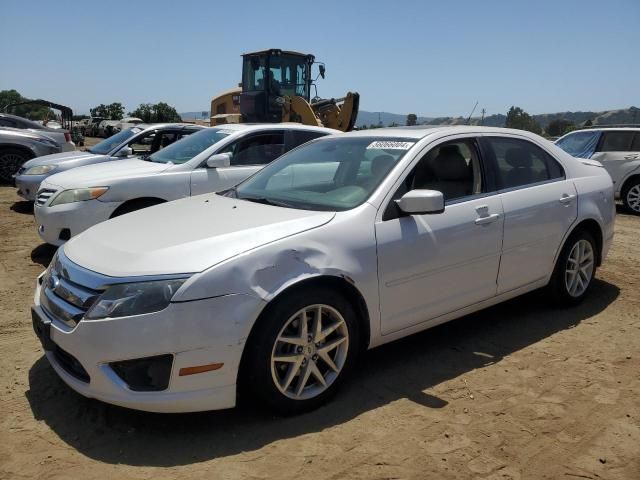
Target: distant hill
column 625, row 115
column 608, row 117
column 386, row 118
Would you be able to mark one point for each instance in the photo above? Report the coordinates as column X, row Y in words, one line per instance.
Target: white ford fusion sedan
column 276, row 286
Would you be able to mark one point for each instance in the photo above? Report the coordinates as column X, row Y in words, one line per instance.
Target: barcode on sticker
column 387, row 145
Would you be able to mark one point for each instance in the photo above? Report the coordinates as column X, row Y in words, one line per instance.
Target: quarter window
column 616, row 142
column 520, row 162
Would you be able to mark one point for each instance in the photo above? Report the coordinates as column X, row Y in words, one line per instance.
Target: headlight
column 78, row 195
column 40, row 170
column 134, row 299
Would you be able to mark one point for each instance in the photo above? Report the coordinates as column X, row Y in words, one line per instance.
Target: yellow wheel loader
column 276, row 87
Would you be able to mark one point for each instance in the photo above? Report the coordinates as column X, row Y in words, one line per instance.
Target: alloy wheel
column 309, row 352
column 579, row 268
column 633, row 198
column 10, row 163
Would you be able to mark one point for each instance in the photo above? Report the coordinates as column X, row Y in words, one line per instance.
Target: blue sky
column 432, row 58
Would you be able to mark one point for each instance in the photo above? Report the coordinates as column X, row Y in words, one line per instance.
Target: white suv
column 618, row 149
column 210, row 160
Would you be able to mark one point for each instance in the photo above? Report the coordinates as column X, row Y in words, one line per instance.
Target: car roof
column 274, row 126
column 604, row 129
column 422, row 131
column 147, row 126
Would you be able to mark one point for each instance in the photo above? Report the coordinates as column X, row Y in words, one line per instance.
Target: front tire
column 303, row 349
column 135, row 205
column 11, row 159
column 631, row 196
column 575, row 269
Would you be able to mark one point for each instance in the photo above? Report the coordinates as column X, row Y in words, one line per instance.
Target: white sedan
column 348, row 242
column 212, row 159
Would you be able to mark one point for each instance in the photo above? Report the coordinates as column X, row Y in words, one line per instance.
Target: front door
column 249, row 154
column 430, row 265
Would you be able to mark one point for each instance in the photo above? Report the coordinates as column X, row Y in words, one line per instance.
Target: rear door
column 618, row 151
column 539, row 203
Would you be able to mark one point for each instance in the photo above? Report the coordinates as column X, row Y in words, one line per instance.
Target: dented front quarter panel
column 343, row 248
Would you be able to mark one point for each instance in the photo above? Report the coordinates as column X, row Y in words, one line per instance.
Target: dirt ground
column 520, row 390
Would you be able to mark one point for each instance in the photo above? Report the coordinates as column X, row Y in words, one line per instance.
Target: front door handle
column 634, row 156
column 487, row 219
column 566, row 199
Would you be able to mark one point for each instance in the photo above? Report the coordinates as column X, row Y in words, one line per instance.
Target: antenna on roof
column 469, row 117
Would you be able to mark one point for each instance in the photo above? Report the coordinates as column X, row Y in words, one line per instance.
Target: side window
column 164, row 139
column 635, row 146
column 144, row 145
column 616, row 142
column 257, row 149
column 295, row 138
column 520, row 162
column 452, row 168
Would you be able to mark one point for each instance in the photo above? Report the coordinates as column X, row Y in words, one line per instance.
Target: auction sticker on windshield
column 390, row 145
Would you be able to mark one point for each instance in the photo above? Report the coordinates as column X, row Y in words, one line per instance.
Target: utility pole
column 483, row 111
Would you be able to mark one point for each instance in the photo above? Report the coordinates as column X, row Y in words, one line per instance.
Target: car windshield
column 184, row 150
column 332, row 173
column 110, row 143
column 579, row 144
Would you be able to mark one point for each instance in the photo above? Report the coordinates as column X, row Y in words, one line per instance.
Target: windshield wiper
column 266, row 201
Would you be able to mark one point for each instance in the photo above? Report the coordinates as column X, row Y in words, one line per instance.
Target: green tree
column 559, row 127
column 155, row 113
column 33, row 112
column 113, row 111
column 521, row 120
column 412, row 119
column 588, row 123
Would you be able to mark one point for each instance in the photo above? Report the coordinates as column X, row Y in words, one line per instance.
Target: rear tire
column 293, row 369
column 631, row 196
column 574, row 270
column 11, row 159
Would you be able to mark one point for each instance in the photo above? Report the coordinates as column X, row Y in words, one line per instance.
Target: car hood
column 185, row 236
column 103, row 174
column 62, row 158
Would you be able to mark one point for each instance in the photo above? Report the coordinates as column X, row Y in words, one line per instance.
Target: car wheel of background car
column 303, row 348
column 631, row 196
column 575, row 269
column 133, row 205
column 11, row 159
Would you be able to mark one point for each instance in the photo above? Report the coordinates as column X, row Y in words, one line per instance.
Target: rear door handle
column 634, row 156
column 488, row 219
column 566, row 199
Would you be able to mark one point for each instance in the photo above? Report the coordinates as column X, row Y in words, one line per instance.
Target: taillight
column 67, row 137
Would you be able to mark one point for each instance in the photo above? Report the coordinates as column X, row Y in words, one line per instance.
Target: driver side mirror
column 420, row 202
column 124, row 152
column 219, row 160
column 322, row 70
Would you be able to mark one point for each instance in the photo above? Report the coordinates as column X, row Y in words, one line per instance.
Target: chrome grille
column 44, row 195
column 62, row 298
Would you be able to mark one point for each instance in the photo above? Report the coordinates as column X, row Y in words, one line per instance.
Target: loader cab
column 269, row 75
